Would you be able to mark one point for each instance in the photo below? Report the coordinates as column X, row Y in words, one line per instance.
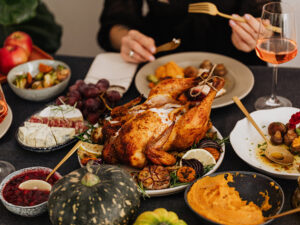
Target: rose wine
column 276, row 50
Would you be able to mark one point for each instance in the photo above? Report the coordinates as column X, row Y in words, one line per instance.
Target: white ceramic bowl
column 32, row 67
column 28, row 211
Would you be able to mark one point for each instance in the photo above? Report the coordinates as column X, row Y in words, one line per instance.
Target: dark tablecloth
column 223, row 118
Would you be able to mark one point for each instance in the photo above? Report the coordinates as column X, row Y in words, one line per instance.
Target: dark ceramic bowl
column 249, row 184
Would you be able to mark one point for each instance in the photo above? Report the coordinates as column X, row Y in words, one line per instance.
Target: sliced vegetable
column 48, row 81
column 195, row 164
column 186, row 174
column 37, row 85
column 295, row 147
column 152, row 78
column 29, row 78
column 39, row 76
column 45, row 68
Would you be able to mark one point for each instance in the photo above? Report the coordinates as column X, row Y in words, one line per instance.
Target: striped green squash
column 102, row 194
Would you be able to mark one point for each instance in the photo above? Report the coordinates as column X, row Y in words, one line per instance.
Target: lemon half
column 200, row 154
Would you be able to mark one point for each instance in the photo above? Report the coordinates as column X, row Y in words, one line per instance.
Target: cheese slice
column 40, row 137
column 62, row 112
column 22, row 134
column 62, row 134
column 30, row 137
column 34, row 125
column 49, row 138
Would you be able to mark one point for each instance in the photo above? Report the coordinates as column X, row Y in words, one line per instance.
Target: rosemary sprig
column 223, row 141
column 85, row 136
column 142, row 190
column 207, row 168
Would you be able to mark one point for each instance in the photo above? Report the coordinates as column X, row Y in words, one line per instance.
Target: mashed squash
column 214, row 199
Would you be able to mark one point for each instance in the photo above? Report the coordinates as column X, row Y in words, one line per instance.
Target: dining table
column 224, row 119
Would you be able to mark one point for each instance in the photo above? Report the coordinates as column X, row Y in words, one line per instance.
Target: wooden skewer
column 283, row 214
column 249, row 117
column 64, row 159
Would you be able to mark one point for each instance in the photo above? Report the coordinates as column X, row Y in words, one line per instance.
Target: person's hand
column 244, row 34
column 137, row 47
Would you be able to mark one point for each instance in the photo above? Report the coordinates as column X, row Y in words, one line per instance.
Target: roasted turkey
column 140, row 133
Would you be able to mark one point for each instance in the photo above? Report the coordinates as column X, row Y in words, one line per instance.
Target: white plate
column 170, row 191
column 244, row 138
column 4, row 126
column 239, row 79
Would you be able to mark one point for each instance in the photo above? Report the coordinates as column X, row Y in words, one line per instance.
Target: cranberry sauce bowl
column 27, row 203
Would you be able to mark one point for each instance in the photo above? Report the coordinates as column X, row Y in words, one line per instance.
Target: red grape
column 72, row 100
column 113, row 96
column 93, row 117
column 75, row 94
column 85, row 112
column 60, row 100
column 91, row 92
column 82, row 88
column 91, row 104
column 73, row 88
column 79, row 83
column 79, row 104
column 102, row 85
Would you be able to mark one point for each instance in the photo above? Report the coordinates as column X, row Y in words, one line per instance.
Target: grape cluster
column 92, row 99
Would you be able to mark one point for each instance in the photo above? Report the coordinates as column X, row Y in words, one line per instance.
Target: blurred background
column 80, row 22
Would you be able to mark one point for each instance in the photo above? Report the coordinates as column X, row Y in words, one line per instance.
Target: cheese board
column 51, row 129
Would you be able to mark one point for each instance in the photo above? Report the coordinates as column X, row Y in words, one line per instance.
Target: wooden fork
column 211, row 9
column 169, row 46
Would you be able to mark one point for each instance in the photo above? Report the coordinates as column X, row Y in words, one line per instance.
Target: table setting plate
column 174, row 190
column 239, row 80
column 244, row 139
column 4, row 126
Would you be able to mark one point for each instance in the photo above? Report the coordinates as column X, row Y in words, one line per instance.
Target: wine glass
column 5, row 167
column 276, row 44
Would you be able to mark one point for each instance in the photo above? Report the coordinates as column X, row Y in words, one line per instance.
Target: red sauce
column 16, row 196
column 295, row 119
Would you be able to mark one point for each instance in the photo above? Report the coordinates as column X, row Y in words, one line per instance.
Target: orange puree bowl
column 206, row 199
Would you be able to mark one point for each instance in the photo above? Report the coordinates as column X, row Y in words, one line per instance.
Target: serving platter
column 45, row 149
column 4, row 126
column 174, row 190
column 244, row 139
column 239, row 80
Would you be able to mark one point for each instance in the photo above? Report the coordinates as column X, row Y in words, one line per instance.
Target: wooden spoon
column 68, row 155
column 283, row 214
column 277, row 154
column 34, row 184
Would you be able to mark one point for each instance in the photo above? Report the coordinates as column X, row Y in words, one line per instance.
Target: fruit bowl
column 39, row 94
column 38, row 204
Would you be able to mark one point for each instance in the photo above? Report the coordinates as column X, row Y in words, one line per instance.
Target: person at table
column 124, row 28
